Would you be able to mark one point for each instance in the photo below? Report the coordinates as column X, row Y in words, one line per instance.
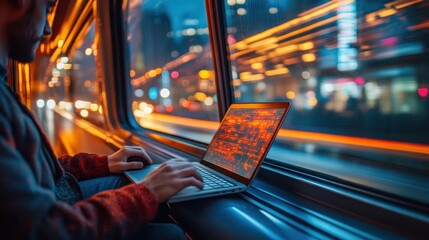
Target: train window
column 356, row 73
column 74, row 83
column 171, row 69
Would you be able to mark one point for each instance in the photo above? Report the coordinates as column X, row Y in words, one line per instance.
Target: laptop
column 235, row 153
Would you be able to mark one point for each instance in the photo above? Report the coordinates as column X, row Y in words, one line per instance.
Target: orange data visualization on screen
column 242, row 139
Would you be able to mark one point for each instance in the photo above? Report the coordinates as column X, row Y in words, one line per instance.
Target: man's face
column 26, row 32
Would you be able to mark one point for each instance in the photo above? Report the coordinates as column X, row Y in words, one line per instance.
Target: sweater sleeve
column 85, row 166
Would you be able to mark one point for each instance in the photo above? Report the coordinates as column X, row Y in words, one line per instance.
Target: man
column 40, row 197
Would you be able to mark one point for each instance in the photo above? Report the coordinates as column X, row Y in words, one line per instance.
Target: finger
column 172, row 166
column 190, row 181
column 134, row 147
column 189, row 172
column 138, row 148
column 139, row 153
column 177, row 159
column 123, row 166
column 133, row 165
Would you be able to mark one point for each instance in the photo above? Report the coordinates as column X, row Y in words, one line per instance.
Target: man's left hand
column 118, row 161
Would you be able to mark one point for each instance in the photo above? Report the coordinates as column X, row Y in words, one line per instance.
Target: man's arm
column 84, row 166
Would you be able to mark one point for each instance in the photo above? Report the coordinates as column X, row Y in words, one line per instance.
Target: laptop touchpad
column 189, row 189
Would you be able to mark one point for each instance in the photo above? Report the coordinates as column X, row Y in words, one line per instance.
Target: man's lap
column 93, row 186
column 154, row 230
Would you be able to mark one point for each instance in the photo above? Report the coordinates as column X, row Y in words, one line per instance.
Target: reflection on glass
column 73, row 82
column 84, row 88
column 171, row 67
column 355, row 70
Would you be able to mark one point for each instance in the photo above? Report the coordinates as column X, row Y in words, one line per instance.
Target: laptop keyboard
column 211, row 180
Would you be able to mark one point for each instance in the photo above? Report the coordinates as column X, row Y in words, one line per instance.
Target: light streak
column 323, row 138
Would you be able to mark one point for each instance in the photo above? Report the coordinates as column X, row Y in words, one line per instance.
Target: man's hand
column 118, row 161
column 171, row 177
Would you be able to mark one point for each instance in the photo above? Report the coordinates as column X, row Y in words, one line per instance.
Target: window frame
column 217, row 24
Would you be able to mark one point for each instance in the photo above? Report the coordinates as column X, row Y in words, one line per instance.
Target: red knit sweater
column 85, row 166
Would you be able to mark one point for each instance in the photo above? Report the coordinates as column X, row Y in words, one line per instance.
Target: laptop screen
column 244, row 136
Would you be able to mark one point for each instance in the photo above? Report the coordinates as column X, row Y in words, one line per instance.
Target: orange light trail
column 303, row 18
column 419, row 26
column 286, row 36
column 309, row 136
column 356, row 141
column 315, row 13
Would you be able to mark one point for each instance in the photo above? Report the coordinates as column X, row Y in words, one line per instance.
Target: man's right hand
column 171, row 177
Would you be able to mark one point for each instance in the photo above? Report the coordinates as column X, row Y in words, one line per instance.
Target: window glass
column 356, row 74
column 73, row 82
column 171, row 70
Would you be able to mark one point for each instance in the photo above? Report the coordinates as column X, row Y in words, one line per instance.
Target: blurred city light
column 257, row 65
column 50, row 103
column 64, row 59
column 60, row 65
column 273, row 10
column 40, row 103
column 138, row 93
column 138, row 113
column 309, row 57
column 241, row 11
column 84, row 113
column 208, row 101
column 290, row 95
column 56, row 73
column 423, row 92
column 306, row 46
column 278, row 71
column 93, row 107
column 143, row 105
column 60, row 43
column 204, row 74
column 153, row 93
column 174, row 74
column 80, row 104
column 88, row 51
column 231, row 2
column 165, row 93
